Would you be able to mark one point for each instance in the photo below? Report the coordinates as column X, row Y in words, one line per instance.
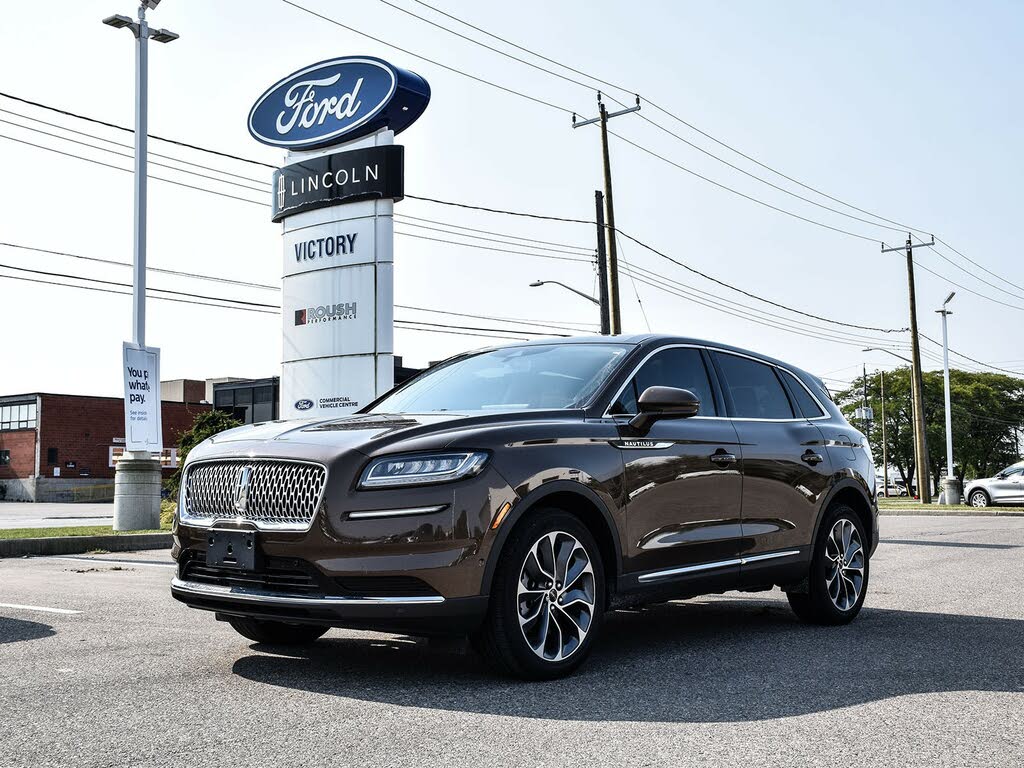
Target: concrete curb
column 76, row 545
column 965, row 512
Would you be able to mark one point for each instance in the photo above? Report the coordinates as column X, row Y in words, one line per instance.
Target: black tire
column 979, row 499
column 501, row 640
column 277, row 632
column 817, row 605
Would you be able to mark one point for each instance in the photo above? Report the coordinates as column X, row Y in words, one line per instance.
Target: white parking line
column 36, row 608
column 109, row 560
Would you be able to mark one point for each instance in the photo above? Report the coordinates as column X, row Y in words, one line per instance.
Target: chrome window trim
column 263, row 596
column 209, row 522
column 717, row 564
column 379, row 513
column 618, row 394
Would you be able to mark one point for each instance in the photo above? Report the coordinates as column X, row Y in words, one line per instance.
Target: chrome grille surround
column 281, row 494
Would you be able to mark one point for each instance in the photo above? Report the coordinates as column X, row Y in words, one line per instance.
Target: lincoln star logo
column 242, row 490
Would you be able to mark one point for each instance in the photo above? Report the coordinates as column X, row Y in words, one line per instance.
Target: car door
column 786, row 468
column 682, row 480
column 1008, row 487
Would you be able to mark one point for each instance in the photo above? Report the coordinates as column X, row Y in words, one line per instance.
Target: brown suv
column 516, row 494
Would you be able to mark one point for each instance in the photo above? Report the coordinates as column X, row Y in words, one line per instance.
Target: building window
column 51, row 455
column 17, row 416
column 5, row 458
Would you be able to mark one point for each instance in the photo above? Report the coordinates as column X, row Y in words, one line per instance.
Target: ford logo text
column 336, row 101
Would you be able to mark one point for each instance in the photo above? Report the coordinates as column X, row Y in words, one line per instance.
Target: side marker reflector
column 502, row 512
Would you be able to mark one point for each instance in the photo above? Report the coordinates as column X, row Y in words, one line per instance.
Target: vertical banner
column 142, row 423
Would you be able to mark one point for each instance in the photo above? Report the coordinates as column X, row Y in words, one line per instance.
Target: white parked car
column 1007, row 487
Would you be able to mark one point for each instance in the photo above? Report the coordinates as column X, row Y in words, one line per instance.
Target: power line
column 489, row 239
column 174, row 272
column 429, row 60
column 128, row 146
column 497, row 210
column 500, row 250
column 129, row 170
column 969, row 290
column 131, row 156
column 491, row 232
column 130, row 130
column 519, row 321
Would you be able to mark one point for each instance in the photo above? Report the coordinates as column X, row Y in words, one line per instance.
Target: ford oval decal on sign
column 303, row 405
column 337, row 100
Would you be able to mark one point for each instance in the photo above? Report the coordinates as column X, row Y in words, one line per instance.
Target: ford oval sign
column 303, row 405
column 337, row 100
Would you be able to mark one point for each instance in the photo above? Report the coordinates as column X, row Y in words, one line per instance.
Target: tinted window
column 756, row 391
column 681, row 367
column 514, row 378
column 804, row 402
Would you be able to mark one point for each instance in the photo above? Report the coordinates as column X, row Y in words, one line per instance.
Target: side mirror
column 663, row 403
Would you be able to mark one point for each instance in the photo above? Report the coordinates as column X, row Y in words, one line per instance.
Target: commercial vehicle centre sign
column 335, row 197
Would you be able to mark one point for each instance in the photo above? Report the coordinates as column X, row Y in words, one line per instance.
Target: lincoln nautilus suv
column 517, row 494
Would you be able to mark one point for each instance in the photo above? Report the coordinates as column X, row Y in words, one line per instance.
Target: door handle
column 722, row 459
column 811, row 457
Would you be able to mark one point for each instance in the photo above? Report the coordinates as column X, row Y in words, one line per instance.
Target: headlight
column 421, row 469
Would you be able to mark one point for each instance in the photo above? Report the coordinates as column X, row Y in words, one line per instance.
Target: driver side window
column 680, row 367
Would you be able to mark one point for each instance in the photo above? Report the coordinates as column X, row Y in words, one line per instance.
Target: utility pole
column 885, row 450
column 950, row 487
column 602, row 264
column 613, row 256
column 924, row 488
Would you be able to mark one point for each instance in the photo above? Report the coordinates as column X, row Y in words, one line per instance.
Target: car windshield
column 515, row 378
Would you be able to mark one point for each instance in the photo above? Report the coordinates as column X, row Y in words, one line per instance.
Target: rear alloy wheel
column 276, row 632
column 979, row 499
column 838, row 578
column 547, row 600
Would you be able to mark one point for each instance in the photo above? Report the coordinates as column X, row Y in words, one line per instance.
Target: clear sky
column 908, row 110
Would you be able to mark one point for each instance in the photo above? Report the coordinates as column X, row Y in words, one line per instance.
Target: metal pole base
column 951, row 490
column 137, row 494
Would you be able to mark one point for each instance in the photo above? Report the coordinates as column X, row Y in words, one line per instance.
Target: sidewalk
column 26, row 515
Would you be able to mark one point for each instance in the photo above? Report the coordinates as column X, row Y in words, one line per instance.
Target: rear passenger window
column 804, row 402
column 681, row 367
column 755, row 389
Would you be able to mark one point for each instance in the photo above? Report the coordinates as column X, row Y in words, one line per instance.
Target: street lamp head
column 949, row 298
column 117, row 21
column 536, row 283
column 163, row 35
column 151, row 4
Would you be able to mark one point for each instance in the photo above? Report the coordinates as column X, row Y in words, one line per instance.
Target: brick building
column 64, row 447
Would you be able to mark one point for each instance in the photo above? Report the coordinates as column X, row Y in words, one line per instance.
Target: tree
column 206, row 424
column 987, row 411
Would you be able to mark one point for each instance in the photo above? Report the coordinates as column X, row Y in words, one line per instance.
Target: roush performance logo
column 325, row 313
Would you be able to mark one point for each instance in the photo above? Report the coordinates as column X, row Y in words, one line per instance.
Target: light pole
column 950, row 486
column 137, row 476
column 587, row 296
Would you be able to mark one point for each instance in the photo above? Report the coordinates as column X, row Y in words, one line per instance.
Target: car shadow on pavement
column 17, row 630
column 714, row 661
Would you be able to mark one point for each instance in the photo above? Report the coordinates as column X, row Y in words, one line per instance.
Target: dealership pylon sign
column 335, row 197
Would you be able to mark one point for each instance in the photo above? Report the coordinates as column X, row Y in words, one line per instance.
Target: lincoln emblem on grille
column 242, row 490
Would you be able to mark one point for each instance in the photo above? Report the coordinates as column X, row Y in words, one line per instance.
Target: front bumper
column 420, row 614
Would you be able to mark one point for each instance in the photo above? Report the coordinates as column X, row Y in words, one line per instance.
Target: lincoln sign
column 334, row 196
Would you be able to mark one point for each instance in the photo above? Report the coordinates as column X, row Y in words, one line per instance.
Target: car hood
column 365, row 433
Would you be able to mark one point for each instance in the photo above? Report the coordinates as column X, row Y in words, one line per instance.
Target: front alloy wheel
column 979, row 499
column 556, row 596
column 845, row 553
column 547, row 598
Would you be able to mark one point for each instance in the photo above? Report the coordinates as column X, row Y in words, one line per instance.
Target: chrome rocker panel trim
column 719, row 564
column 275, row 598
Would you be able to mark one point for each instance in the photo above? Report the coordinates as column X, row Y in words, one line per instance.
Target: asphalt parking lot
column 931, row 674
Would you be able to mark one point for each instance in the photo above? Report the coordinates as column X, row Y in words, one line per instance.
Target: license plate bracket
column 232, row 549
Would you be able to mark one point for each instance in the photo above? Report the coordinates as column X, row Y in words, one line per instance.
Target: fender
column 531, row 500
column 846, row 482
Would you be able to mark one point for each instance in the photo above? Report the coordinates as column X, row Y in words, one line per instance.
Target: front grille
column 272, row 491
column 276, row 575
